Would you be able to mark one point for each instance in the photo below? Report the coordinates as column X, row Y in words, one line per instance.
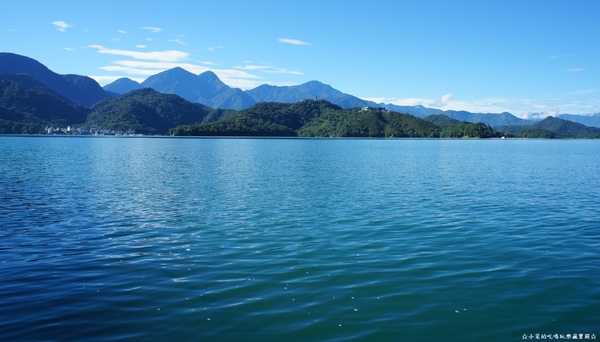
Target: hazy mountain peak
column 212, row 78
column 174, row 73
column 122, row 85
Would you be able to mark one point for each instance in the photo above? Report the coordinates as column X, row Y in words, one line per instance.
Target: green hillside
column 552, row 127
column 146, row 111
column 29, row 109
column 310, row 118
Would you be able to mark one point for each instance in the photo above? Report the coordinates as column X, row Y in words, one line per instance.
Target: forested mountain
column 146, row 111
column 441, row 120
column 588, row 120
column 552, row 127
column 28, row 106
column 266, row 118
column 80, row 89
column 310, row 118
column 566, row 127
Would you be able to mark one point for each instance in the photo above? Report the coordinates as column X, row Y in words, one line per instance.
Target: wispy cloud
column 562, row 56
column 269, row 69
column 68, row 49
column 122, row 31
column 147, row 63
column 292, row 41
column 140, row 46
column 61, row 25
column 576, row 69
column 178, row 41
column 103, row 79
column 440, row 103
column 152, row 29
column 586, row 91
column 163, row 56
column 214, row 48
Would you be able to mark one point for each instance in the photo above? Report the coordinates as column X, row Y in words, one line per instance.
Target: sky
column 528, row 57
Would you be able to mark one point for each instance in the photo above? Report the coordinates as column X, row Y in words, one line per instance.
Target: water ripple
column 188, row 239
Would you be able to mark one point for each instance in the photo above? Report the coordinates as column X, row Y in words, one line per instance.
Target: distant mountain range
column 32, row 96
column 208, row 90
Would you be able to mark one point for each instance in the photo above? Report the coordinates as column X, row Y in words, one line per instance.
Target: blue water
column 298, row 239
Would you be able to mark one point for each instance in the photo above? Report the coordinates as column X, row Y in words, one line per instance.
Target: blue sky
column 521, row 56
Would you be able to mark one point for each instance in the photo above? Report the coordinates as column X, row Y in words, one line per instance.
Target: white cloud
column 252, row 67
column 104, row 80
column 269, row 69
column 141, row 68
column 292, row 41
column 151, row 29
column 61, row 25
column 440, row 103
column 178, row 41
column 122, row 31
column 140, row 46
column 163, row 56
column 562, row 56
column 444, row 100
column 68, row 49
column 214, row 48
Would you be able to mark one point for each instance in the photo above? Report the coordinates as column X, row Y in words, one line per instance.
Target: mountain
column 209, row 90
column 418, row 110
column 311, row 118
column 309, row 90
column 441, row 120
column 552, row 127
column 146, row 111
column 28, row 106
column 566, row 127
column 32, row 84
column 205, row 88
column 122, row 85
column 494, row 120
column 588, row 120
column 262, row 119
column 80, row 89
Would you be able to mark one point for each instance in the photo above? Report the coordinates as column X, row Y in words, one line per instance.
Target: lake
column 298, row 239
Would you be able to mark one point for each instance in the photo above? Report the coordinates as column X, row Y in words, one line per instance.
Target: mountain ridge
column 208, row 89
column 28, row 76
column 80, row 89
